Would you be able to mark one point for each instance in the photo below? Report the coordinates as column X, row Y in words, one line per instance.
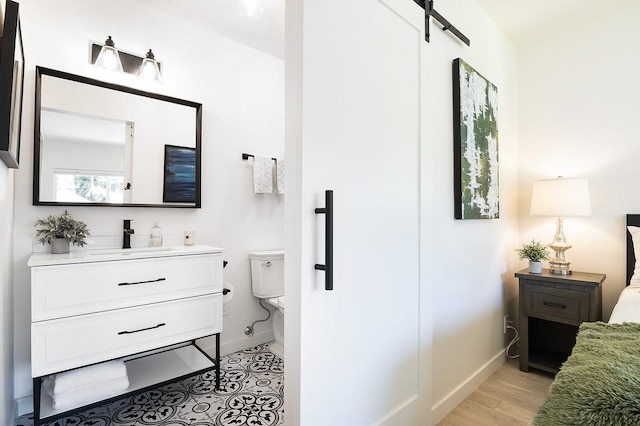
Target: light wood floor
column 508, row 397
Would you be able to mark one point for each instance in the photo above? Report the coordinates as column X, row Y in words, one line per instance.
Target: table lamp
column 560, row 198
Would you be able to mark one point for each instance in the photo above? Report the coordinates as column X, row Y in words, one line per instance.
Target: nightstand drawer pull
column 142, row 329
column 144, row 282
column 554, row 305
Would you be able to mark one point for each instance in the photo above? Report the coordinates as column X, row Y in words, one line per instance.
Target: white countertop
column 112, row 254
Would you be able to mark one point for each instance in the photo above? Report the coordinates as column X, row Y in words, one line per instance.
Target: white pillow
column 635, row 237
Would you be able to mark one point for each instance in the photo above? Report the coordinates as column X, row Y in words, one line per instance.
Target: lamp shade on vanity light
column 109, row 57
column 149, row 70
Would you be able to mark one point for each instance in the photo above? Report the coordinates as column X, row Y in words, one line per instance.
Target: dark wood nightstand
column 552, row 307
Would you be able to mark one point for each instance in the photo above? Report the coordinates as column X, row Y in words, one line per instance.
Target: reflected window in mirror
column 102, row 144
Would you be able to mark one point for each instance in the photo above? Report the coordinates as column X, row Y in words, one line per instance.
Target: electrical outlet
column 225, row 308
column 504, row 324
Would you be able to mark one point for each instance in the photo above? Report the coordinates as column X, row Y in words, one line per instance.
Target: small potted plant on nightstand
column 61, row 230
column 535, row 252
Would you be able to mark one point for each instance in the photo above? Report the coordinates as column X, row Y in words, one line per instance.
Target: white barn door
column 354, row 355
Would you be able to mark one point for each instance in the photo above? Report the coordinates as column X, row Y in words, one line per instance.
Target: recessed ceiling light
column 251, row 9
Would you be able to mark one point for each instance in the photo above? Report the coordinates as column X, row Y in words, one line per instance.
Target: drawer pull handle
column 142, row 329
column 554, row 305
column 144, row 282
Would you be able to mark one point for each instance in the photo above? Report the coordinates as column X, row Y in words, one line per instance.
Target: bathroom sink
column 125, row 252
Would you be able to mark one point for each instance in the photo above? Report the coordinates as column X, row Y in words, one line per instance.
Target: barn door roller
column 429, row 11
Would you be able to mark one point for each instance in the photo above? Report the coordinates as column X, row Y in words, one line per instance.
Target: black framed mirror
column 103, row 144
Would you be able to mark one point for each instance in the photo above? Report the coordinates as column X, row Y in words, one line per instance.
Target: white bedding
column 628, row 307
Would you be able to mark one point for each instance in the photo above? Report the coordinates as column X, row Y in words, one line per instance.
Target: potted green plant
column 535, row 252
column 61, row 230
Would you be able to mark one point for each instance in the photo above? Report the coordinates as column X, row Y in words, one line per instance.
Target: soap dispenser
column 156, row 236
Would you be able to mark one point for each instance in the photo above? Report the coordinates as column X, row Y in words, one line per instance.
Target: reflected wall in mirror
column 102, row 144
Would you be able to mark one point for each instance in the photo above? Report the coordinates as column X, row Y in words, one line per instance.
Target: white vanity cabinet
column 91, row 306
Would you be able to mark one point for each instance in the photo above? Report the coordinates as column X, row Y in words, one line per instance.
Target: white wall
column 6, row 293
column 472, row 261
column 578, row 115
column 241, row 90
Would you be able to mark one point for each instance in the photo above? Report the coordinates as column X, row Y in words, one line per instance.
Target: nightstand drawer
column 571, row 307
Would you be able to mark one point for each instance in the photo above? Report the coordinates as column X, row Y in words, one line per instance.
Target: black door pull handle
column 328, row 240
column 554, row 305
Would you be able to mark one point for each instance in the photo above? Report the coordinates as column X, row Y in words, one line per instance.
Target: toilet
column 267, row 281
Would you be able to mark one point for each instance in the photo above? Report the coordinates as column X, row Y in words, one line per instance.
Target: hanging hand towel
column 262, row 175
column 280, row 170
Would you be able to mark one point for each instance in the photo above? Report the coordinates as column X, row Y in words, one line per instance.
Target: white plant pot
column 535, row 267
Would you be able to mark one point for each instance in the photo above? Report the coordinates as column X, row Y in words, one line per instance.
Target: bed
column 599, row 384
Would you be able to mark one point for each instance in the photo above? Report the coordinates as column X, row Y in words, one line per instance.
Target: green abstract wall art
column 475, row 152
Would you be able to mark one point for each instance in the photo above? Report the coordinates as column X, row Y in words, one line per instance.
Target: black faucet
column 126, row 234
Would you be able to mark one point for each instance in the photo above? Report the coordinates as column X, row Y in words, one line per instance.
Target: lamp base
column 559, row 268
column 559, row 265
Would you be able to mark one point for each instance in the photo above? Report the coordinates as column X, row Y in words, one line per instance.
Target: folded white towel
column 86, row 394
column 280, row 170
column 262, row 175
column 72, row 379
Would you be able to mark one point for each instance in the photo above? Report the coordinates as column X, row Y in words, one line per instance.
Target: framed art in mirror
column 11, row 86
column 102, row 144
column 179, row 174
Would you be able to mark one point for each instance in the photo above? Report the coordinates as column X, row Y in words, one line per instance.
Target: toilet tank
column 267, row 273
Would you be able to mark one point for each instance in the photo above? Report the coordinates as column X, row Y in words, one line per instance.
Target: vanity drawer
column 65, row 290
column 62, row 344
column 567, row 306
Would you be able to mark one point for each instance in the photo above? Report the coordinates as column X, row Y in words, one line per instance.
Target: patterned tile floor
column 252, row 394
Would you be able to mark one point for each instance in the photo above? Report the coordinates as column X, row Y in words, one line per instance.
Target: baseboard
column 23, row 406
column 227, row 348
column 443, row 407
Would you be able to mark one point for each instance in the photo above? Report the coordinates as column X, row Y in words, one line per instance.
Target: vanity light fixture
column 107, row 56
column 560, row 198
column 251, row 9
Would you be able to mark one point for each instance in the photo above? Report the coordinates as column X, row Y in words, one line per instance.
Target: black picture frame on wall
column 11, row 86
column 475, row 144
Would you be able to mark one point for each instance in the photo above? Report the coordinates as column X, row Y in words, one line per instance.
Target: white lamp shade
column 561, row 198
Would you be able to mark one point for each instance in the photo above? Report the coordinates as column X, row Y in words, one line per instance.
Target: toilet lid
column 277, row 301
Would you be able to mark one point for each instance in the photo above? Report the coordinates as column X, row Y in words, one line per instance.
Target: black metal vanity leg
column 37, row 382
column 217, row 361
